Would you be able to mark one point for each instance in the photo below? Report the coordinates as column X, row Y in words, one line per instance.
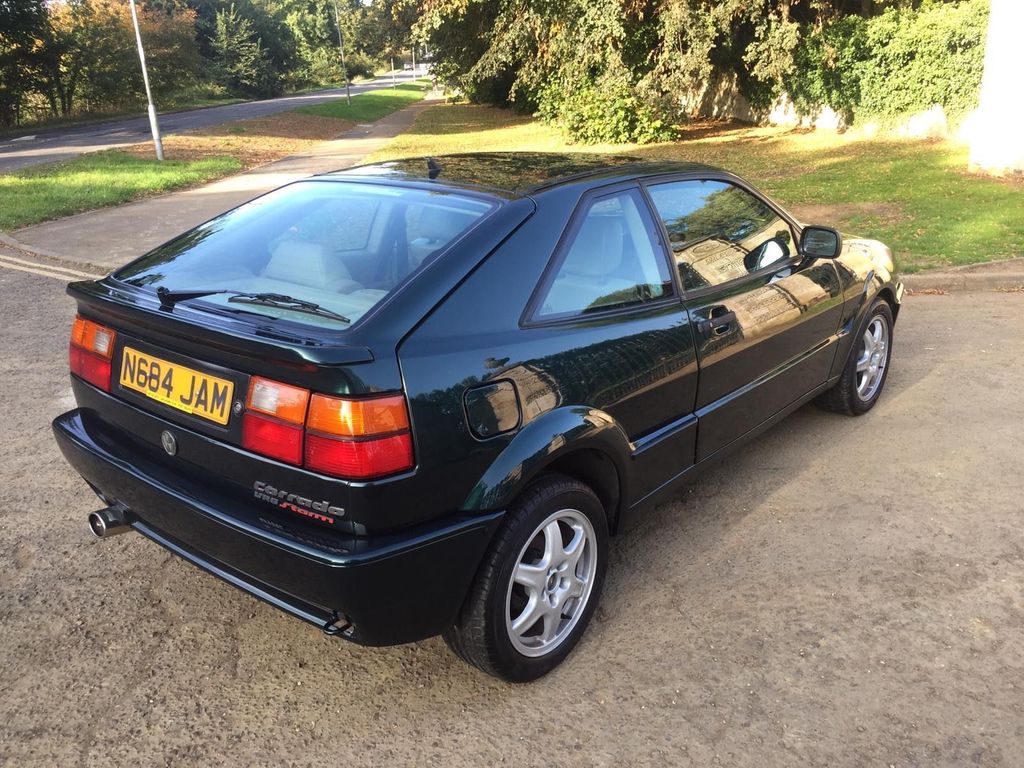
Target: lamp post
column 341, row 45
column 154, row 126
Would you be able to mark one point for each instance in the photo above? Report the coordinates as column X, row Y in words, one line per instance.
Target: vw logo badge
column 168, row 442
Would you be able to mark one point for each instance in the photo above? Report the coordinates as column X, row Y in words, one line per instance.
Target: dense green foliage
column 60, row 58
column 243, row 63
column 893, row 64
column 604, row 70
column 19, row 22
column 614, row 70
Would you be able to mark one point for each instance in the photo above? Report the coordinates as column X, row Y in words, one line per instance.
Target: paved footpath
column 109, row 237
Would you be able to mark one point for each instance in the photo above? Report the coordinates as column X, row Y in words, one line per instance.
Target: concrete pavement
column 51, row 144
column 110, row 237
column 1004, row 275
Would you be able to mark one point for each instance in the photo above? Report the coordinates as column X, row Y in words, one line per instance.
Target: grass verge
column 97, row 180
column 370, row 106
column 914, row 195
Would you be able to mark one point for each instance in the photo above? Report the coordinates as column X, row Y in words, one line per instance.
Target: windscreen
column 335, row 248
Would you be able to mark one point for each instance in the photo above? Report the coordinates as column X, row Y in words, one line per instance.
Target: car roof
column 517, row 173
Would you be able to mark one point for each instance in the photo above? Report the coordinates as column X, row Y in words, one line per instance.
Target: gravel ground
column 843, row 592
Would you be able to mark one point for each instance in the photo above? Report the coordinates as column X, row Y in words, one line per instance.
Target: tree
column 386, row 28
column 21, row 24
column 172, row 52
column 244, row 65
column 86, row 53
column 614, row 70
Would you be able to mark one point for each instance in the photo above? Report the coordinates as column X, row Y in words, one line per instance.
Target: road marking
column 43, row 271
column 51, row 267
column 23, row 138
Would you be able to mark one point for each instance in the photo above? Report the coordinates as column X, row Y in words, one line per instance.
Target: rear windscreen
column 340, row 246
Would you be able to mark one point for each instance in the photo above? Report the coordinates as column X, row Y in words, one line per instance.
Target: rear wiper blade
column 285, row 302
column 168, row 298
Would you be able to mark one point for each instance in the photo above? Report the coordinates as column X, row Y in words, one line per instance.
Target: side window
column 611, row 261
column 719, row 232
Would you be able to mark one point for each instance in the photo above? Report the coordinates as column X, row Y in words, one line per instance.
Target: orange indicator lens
column 92, row 337
column 357, row 418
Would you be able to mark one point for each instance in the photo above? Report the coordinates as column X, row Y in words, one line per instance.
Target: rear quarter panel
column 595, row 367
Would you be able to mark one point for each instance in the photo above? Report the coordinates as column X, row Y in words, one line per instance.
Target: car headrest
column 306, row 263
column 597, row 250
column 439, row 225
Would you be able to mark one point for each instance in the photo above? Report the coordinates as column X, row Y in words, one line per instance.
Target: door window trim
column 728, row 178
column 656, row 235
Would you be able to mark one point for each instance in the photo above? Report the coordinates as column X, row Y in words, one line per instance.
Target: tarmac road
column 842, row 592
column 51, row 144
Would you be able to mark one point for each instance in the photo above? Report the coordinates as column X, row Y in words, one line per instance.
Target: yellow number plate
column 177, row 386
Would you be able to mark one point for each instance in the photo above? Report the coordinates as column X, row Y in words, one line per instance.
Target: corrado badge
column 321, row 511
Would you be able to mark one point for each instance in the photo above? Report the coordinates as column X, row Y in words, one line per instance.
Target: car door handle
column 717, row 324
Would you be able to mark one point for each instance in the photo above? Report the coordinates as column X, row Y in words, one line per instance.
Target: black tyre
column 539, row 583
column 861, row 383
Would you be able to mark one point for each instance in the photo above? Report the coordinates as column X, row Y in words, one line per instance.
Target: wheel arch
column 888, row 293
column 583, row 443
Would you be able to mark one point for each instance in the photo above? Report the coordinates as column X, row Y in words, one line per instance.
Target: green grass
column 94, row 181
column 914, row 195
column 370, row 106
column 939, row 215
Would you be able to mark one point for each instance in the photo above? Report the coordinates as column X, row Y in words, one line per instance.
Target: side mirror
column 820, row 242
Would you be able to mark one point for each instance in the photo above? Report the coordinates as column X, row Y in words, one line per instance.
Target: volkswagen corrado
column 418, row 397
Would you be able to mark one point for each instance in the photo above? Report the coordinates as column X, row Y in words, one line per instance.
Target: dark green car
column 417, row 398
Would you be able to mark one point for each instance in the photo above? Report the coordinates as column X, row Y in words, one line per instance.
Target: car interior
column 344, row 252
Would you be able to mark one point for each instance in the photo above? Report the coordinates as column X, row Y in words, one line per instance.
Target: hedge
column 900, row 62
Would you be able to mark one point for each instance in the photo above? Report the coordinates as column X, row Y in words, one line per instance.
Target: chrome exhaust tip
column 108, row 522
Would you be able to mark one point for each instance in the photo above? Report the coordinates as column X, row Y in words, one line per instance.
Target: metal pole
column 414, row 59
column 341, row 45
column 392, row 71
column 154, row 126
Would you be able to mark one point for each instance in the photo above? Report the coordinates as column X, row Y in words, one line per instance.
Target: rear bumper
column 380, row 590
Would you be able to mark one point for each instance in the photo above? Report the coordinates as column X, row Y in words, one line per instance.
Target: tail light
column 358, row 439
column 344, row 437
column 274, row 418
column 92, row 346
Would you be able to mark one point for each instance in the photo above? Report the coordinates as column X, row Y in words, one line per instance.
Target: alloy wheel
column 551, row 583
column 872, row 358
